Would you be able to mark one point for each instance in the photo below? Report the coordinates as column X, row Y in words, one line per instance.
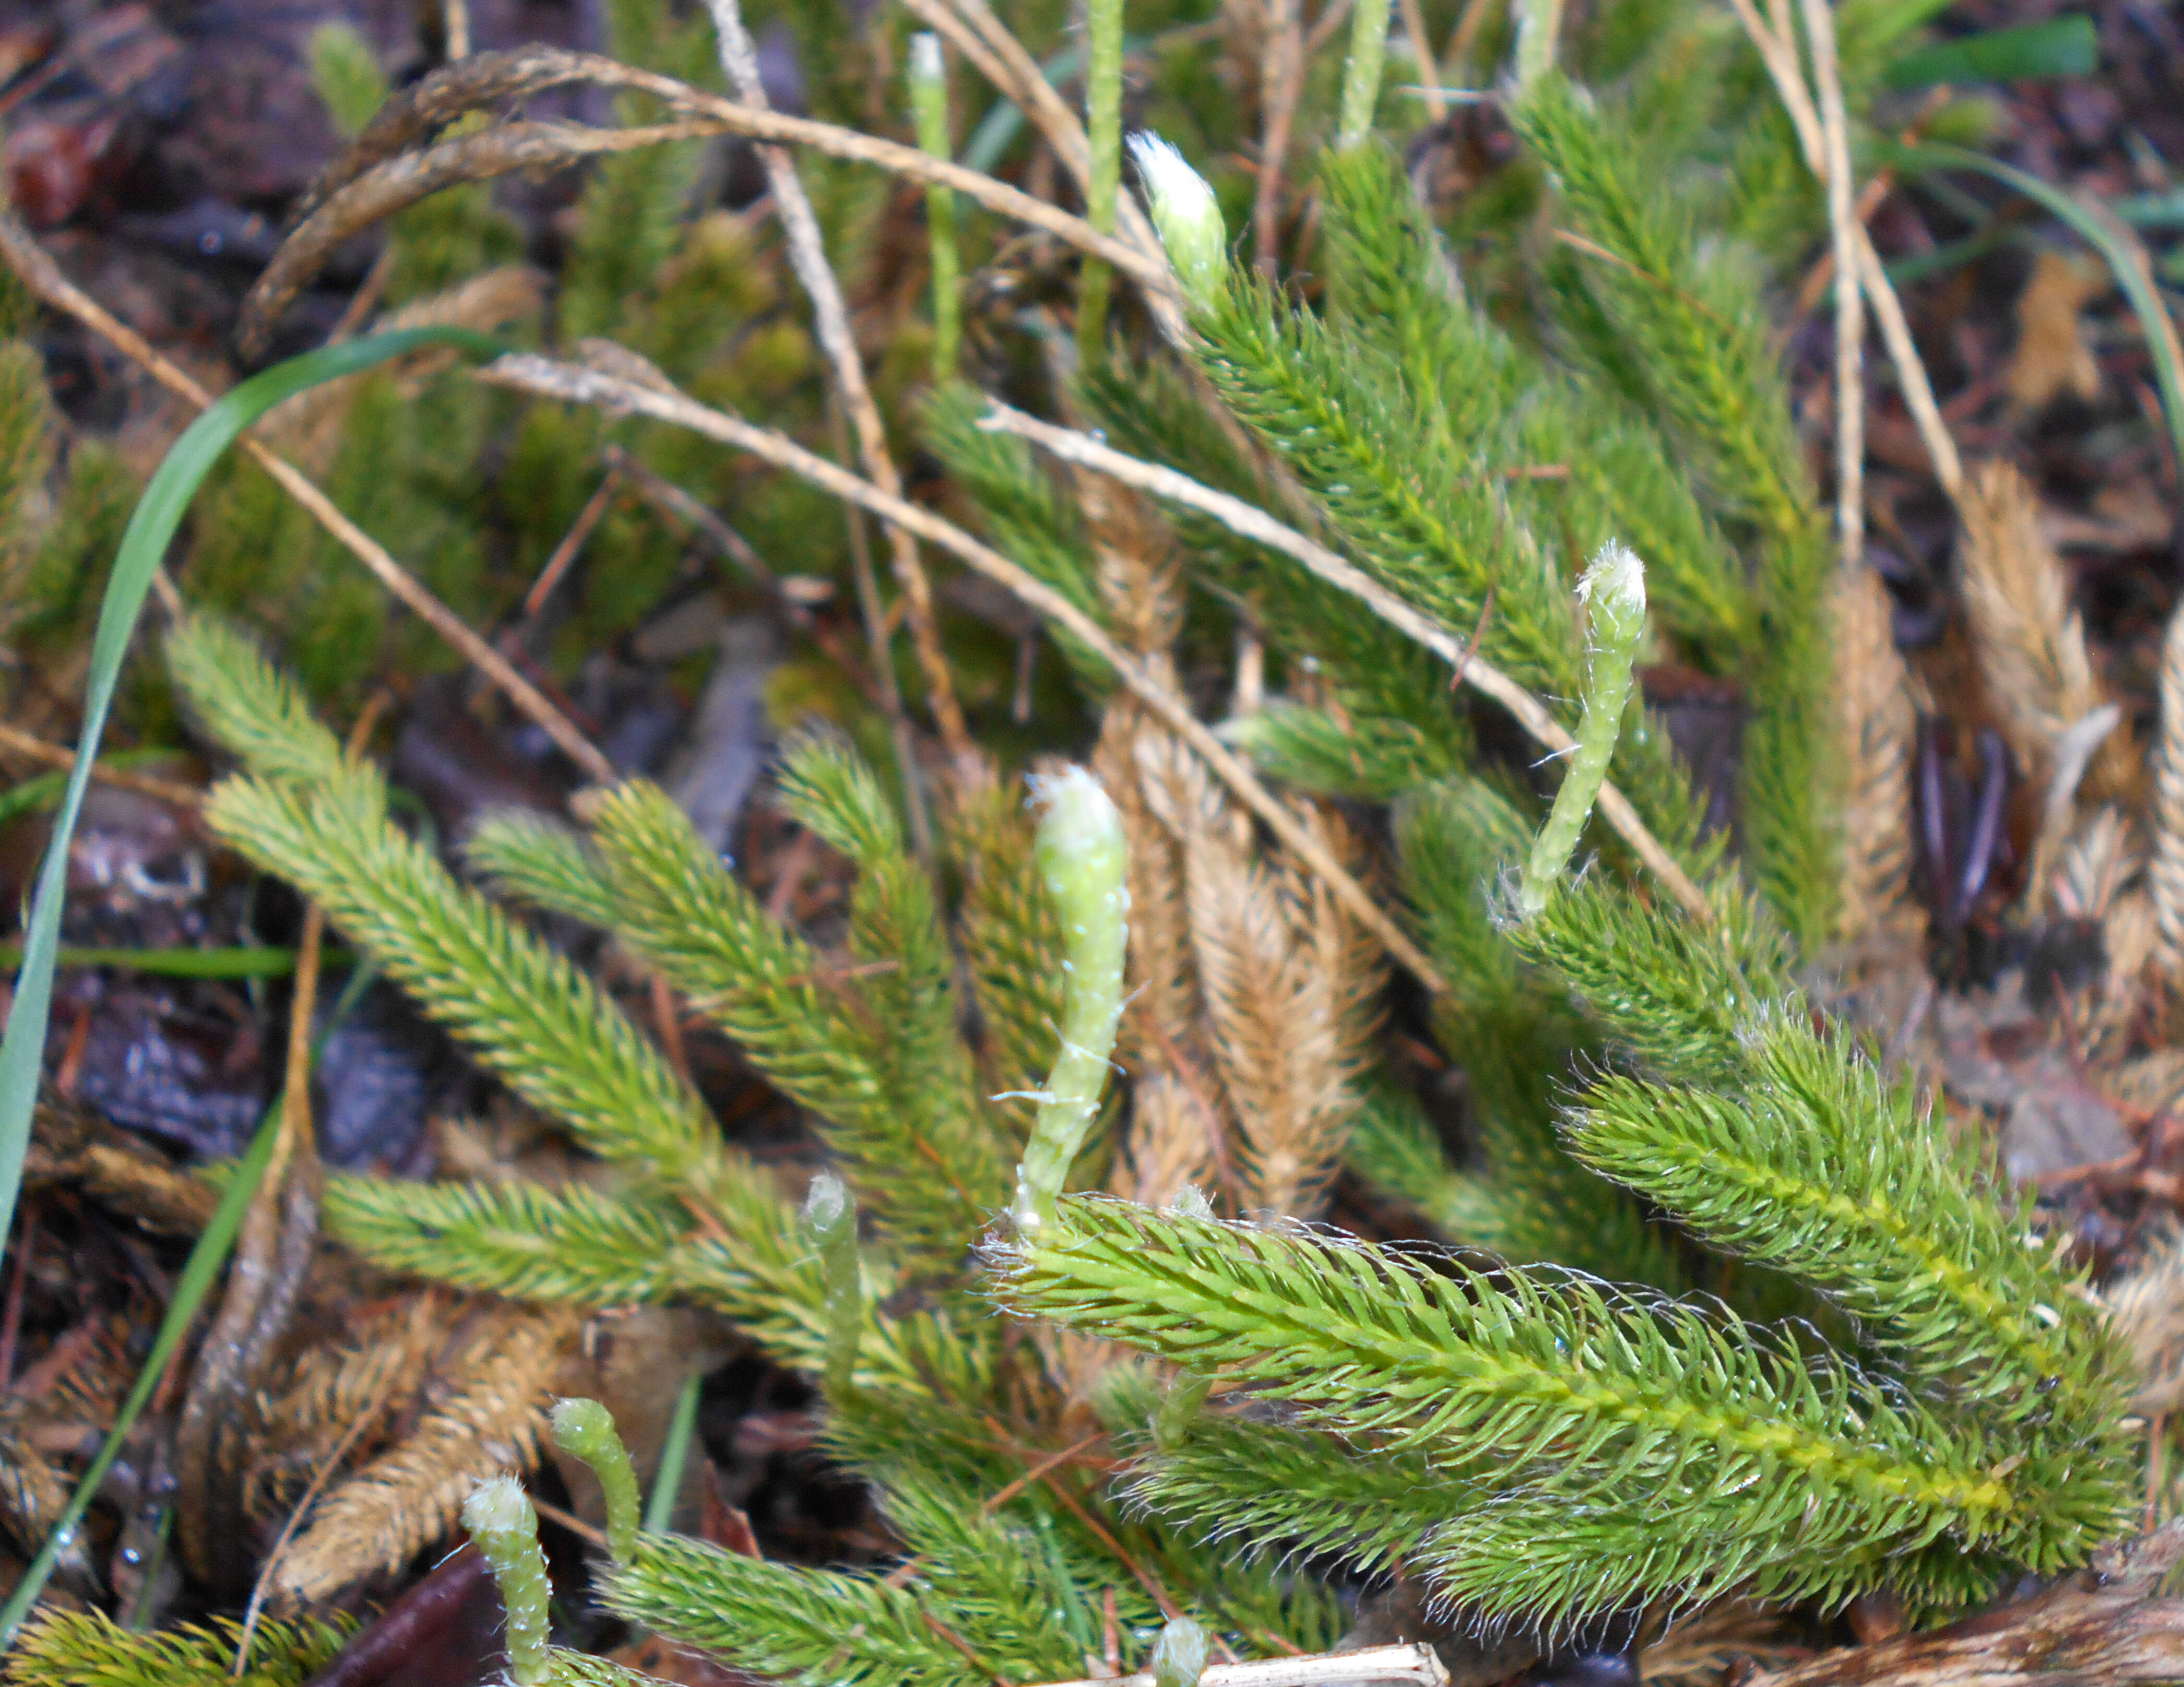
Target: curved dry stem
column 395, row 178
column 528, row 372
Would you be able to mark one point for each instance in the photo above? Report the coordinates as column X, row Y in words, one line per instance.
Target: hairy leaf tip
column 1188, row 217
column 498, row 1516
column 1614, row 588
column 1180, row 1655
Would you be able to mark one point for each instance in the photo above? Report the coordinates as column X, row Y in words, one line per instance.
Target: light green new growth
column 247, row 704
column 546, row 865
column 1187, row 219
column 929, row 105
column 1103, row 132
column 585, row 1430
column 1361, row 73
column 831, row 1215
column 347, row 75
column 1539, row 29
column 1180, row 1653
column 1613, row 590
column 1084, row 856
column 498, row 1516
column 1180, row 1409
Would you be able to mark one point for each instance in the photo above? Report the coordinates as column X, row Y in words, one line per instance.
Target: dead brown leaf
column 2052, row 357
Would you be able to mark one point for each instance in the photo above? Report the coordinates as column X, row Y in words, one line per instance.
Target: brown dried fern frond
column 1173, row 1139
column 2029, row 643
column 32, row 1497
column 1877, row 726
column 1140, row 591
column 2097, row 865
column 1139, row 576
column 327, row 1388
column 488, row 1418
column 2096, row 879
column 1162, row 1015
column 2152, row 1083
column 2148, row 1310
column 1287, row 982
column 2164, row 870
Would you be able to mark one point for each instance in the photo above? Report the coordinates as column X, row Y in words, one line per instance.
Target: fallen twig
column 1417, row 1663
column 1844, row 230
column 144, row 784
column 2101, row 1628
column 807, row 256
column 1778, row 52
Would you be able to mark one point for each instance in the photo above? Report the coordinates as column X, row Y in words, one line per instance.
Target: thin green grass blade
column 2056, row 47
column 185, row 963
column 674, row 1454
column 158, row 514
column 2153, row 319
column 196, row 1282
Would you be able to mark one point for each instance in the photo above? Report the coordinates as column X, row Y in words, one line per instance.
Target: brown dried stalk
column 1778, row 51
column 2101, row 1627
column 273, row 1249
column 2030, row 644
column 1876, row 725
column 397, row 178
column 329, row 1386
column 498, row 1399
column 19, row 743
column 1170, row 1142
column 1281, row 82
column 533, row 374
column 43, row 277
column 1843, row 229
column 807, row 256
column 1256, row 525
column 2164, row 870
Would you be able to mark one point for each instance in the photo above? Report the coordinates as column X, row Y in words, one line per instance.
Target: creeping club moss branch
column 585, row 1430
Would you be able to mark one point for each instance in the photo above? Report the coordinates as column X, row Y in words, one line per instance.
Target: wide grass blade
column 2105, row 236
column 158, row 514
